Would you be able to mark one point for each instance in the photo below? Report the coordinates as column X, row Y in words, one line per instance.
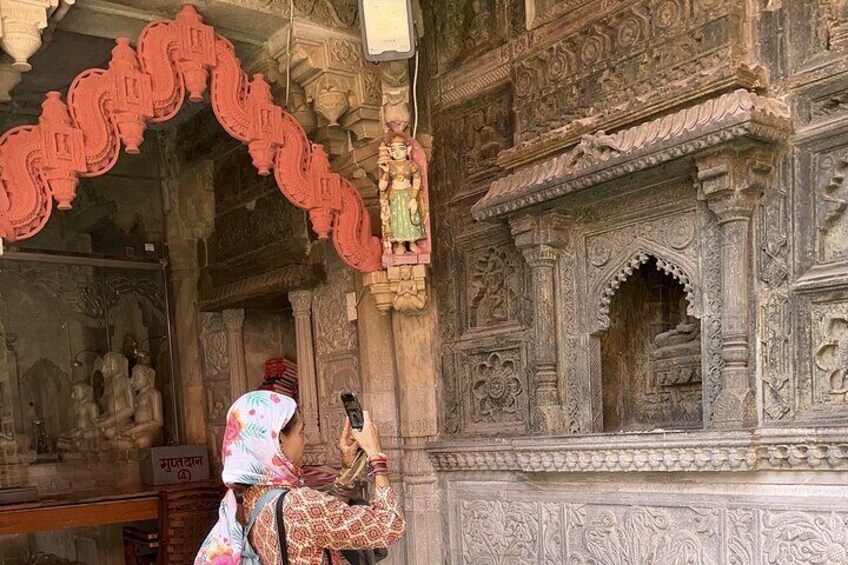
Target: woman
column 263, row 449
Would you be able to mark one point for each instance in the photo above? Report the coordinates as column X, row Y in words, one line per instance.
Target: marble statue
column 683, row 340
column 83, row 437
column 118, row 398
column 148, row 419
column 402, row 208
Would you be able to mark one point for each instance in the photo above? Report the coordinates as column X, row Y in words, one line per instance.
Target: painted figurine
column 402, row 207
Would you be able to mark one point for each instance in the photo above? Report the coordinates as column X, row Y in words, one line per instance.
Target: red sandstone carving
column 110, row 107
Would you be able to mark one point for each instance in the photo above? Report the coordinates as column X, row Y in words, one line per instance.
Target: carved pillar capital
column 548, row 231
column 22, row 24
column 732, row 182
column 301, row 301
column 234, row 320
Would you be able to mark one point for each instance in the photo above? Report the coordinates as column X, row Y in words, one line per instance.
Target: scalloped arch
column 107, row 108
column 669, row 263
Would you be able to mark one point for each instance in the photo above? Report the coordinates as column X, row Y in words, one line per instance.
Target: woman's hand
column 348, row 445
column 369, row 438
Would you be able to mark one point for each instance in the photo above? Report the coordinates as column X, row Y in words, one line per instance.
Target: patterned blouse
column 315, row 521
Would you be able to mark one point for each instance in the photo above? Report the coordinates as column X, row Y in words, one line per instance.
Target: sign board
column 175, row 464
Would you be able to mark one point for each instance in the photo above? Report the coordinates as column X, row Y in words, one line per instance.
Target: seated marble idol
column 148, row 419
column 84, row 436
column 118, row 401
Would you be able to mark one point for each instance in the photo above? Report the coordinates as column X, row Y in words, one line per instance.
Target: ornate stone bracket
column 22, row 23
column 344, row 91
column 110, row 107
column 401, row 288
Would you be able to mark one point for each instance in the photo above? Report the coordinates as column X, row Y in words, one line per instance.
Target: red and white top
column 315, row 521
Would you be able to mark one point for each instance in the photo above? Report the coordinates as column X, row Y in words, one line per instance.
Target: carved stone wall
column 611, row 124
column 336, row 352
column 646, row 522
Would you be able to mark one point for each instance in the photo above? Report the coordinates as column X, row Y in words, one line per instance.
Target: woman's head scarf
column 252, row 456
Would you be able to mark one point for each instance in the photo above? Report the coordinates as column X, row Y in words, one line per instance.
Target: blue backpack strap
column 248, row 554
column 263, row 500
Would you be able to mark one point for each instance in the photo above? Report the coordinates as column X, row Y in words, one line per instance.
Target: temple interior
column 585, row 262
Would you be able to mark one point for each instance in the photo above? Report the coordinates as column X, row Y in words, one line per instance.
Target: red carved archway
column 108, row 107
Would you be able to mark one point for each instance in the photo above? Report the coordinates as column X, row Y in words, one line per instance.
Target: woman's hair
column 289, row 427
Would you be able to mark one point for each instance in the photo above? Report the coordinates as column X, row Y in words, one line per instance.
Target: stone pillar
column 380, row 390
column 732, row 184
column 189, row 203
column 301, row 301
column 234, row 322
column 415, row 353
column 540, row 239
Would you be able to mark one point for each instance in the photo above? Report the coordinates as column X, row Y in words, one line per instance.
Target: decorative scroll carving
column 689, row 452
column 796, row 538
column 494, row 529
column 733, row 115
column 776, row 357
column 110, row 107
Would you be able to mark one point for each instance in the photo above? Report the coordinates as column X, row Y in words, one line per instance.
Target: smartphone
column 354, row 410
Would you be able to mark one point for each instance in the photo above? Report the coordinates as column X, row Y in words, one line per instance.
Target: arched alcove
column 650, row 354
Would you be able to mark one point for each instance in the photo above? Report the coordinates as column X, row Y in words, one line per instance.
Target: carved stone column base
column 734, row 409
column 403, row 288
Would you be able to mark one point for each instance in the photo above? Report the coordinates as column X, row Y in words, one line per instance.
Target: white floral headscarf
column 252, row 456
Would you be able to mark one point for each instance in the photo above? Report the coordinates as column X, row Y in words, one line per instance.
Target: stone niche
column 639, row 248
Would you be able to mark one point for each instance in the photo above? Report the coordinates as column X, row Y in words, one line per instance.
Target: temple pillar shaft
column 417, row 384
column 301, row 301
column 234, row 322
column 540, row 239
column 732, row 184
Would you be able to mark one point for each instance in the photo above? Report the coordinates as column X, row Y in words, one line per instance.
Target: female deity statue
column 402, row 199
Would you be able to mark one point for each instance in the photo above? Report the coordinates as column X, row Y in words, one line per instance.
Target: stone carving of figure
column 148, row 419
column 682, row 341
column 117, row 395
column 401, row 205
column 83, row 437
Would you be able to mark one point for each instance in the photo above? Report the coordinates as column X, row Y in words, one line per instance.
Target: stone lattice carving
column 84, row 137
